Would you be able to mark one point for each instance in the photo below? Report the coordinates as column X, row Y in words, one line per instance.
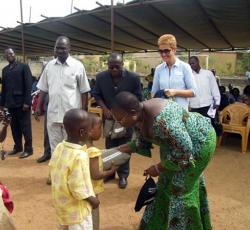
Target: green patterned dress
column 187, row 143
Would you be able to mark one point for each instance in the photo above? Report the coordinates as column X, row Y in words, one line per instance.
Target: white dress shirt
column 64, row 83
column 207, row 92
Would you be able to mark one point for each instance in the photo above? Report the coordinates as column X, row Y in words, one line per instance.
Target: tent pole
column 21, row 11
column 112, row 25
column 71, row 7
column 30, row 15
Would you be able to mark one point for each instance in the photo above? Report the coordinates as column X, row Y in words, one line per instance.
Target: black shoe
column 14, row 152
column 123, row 182
column 108, row 178
column 43, row 158
column 25, row 155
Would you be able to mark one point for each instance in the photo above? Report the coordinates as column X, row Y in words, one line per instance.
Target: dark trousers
column 46, row 144
column 21, row 125
column 214, row 121
column 203, row 111
column 123, row 170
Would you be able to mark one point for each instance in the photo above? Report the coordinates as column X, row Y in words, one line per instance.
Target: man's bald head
column 115, row 57
column 115, row 64
column 62, row 48
column 9, row 55
column 63, row 39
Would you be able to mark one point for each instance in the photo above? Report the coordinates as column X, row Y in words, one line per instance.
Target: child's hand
column 2, row 117
column 93, row 201
column 6, row 122
column 3, row 155
column 114, row 167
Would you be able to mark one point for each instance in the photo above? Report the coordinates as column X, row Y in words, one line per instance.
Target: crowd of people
column 176, row 111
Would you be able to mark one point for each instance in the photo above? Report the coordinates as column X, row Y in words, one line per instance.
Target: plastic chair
column 94, row 109
column 235, row 118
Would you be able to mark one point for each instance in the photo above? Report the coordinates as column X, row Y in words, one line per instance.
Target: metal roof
column 197, row 25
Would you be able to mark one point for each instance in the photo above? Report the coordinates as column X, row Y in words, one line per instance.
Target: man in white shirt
column 248, row 74
column 65, row 80
column 207, row 92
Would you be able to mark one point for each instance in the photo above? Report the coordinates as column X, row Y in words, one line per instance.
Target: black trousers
column 123, row 170
column 203, row 111
column 21, row 126
column 46, row 144
column 214, row 121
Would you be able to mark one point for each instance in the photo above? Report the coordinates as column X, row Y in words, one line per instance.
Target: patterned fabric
column 71, row 183
column 97, row 184
column 187, row 143
column 146, row 94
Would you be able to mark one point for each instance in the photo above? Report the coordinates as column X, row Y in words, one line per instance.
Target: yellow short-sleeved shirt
column 71, row 182
column 97, row 184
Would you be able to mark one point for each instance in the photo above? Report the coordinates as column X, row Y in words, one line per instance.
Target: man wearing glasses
column 108, row 84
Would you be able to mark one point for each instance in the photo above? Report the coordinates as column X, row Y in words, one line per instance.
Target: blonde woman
column 173, row 76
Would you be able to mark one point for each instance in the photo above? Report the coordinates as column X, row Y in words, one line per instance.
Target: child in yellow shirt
column 72, row 191
column 96, row 164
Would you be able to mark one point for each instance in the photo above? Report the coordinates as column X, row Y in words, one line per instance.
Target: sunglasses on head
column 165, row 51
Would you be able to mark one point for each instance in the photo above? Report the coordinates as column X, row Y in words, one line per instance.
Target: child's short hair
column 75, row 119
column 94, row 119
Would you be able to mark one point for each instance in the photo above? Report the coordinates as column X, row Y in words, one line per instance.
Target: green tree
column 246, row 61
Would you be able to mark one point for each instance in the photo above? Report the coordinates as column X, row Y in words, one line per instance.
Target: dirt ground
column 227, row 181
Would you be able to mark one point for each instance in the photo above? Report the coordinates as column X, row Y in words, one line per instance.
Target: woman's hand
column 170, row 92
column 152, row 171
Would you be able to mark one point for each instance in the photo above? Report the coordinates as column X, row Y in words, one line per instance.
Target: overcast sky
column 10, row 9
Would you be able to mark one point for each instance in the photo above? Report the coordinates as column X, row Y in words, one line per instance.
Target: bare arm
column 101, row 103
column 84, row 97
column 27, row 79
column 39, row 102
column 184, row 93
column 179, row 92
column 3, row 133
column 95, row 173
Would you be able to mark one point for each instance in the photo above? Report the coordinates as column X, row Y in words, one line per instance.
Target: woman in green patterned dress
column 187, row 143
